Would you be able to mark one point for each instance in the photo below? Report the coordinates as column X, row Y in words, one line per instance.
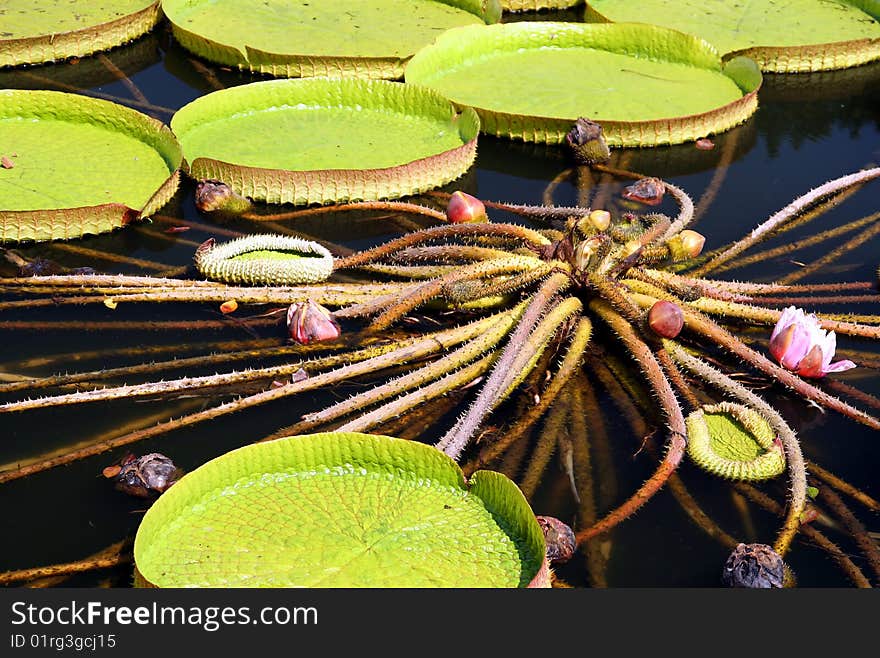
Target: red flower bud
column 666, row 319
column 464, row 208
column 309, row 322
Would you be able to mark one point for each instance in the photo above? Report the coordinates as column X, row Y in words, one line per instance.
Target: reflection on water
column 808, row 129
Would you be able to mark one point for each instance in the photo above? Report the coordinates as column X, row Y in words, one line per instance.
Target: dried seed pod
column 143, row 476
column 649, row 191
column 586, row 143
column 755, row 566
column 559, row 537
column 309, row 322
column 465, row 209
column 666, row 319
column 217, row 196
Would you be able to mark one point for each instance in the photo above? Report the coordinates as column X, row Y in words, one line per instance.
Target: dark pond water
column 808, row 129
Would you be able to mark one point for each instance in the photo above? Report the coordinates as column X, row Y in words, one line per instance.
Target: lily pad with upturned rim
column 80, row 165
column 645, row 85
column 538, row 5
column 339, row 510
column 300, row 38
column 326, row 140
column 783, row 37
column 36, row 31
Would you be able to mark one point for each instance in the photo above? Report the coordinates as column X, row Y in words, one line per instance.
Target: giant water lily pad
column 296, row 38
column 537, row 5
column 783, row 37
column 35, row 31
column 339, row 510
column 79, row 165
column 321, row 140
column 645, row 85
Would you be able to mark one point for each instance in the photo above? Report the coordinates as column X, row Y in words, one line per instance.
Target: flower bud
column 309, row 322
column 585, row 253
column 601, row 219
column 687, row 244
column 631, row 247
column 465, row 209
column 666, row 319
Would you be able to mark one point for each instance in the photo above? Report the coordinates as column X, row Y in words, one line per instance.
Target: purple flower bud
column 309, row 322
column 465, row 209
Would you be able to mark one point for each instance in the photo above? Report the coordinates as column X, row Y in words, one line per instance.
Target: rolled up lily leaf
column 35, row 32
column 340, row 510
column 734, row 442
column 278, row 260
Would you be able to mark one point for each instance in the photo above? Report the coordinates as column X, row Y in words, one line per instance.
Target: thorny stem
column 833, row 255
column 791, row 210
column 111, row 556
column 797, row 473
column 854, row 527
column 844, row 487
column 509, row 231
column 418, row 349
column 677, row 435
column 457, row 438
column 392, row 206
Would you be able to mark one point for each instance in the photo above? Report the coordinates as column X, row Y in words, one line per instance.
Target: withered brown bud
column 559, row 538
column 309, row 322
column 649, row 191
column 666, row 319
column 216, row 196
column 755, row 566
column 143, row 476
column 586, row 143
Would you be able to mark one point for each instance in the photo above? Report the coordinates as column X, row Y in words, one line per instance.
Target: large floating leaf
column 34, row 31
column 79, row 165
column 297, row 38
column 783, row 37
column 320, row 140
column 646, row 85
column 339, row 510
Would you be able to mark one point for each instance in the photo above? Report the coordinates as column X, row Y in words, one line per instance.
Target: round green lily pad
column 300, row 38
column 734, row 442
column 322, row 140
column 645, row 85
column 339, row 510
column 75, row 165
column 35, row 31
column 783, row 37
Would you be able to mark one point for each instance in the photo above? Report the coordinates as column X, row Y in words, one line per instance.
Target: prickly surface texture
column 734, row 442
column 265, row 260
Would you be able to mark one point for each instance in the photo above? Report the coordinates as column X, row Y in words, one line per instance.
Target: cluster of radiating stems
column 531, row 297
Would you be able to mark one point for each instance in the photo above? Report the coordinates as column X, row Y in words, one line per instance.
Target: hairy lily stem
column 854, row 527
column 677, row 434
column 111, row 556
column 797, row 472
column 457, row 438
column 791, row 210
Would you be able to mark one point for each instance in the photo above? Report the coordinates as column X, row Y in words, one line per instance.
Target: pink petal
column 840, row 366
column 789, row 316
column 790, row 346
column 811, row 364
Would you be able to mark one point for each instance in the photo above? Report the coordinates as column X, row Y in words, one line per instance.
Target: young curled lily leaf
column 734, row 442
column 265, row 260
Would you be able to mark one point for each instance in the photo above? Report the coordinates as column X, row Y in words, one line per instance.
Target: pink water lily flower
column 802, row 346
